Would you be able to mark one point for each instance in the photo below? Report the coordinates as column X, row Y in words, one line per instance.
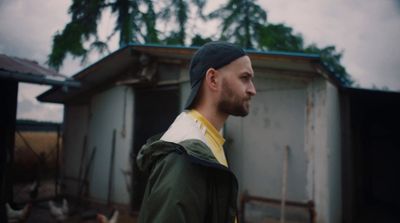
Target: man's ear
column 211, row 79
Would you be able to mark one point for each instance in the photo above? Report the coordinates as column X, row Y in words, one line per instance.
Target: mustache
column 248, row 98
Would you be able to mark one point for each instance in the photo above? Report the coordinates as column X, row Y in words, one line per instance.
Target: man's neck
column 217, row 119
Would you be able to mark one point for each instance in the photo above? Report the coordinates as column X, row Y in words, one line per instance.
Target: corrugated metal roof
column 29, row 71
column 14, row 64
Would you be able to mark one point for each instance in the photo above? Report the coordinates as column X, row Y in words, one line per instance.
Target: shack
column 14, row 70
column 289, row 146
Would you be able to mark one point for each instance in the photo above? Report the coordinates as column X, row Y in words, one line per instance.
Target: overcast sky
column 368, row 32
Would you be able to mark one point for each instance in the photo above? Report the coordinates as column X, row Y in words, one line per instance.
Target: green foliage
column 241, row 22
column 198, row 40
column 177, row 9
column 132, row 24
column 279, row 37
column 85, row 16
column 174, row 38
column 127, row 16
column 245, row 23
column 177, row 12
column 331, row 59
column 136, row 22
column 150, row 19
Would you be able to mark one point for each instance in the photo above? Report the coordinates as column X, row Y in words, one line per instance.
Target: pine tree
column 132, row 24
column 241, row 21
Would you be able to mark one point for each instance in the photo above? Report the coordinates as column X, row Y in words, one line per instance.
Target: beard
column 232, row 104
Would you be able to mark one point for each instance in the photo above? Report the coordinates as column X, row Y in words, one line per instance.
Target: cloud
column 367, row 32
column 29, row 108
column 27, row 28
column 397, row 2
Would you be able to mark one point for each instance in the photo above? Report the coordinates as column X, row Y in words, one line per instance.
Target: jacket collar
column 155, row 148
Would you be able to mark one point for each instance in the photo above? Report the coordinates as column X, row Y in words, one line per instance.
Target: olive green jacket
column 186, row 184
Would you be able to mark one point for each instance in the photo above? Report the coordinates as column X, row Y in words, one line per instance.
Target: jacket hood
column 156, row 148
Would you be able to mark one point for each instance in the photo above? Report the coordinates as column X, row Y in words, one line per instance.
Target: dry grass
column 34, row 152
column 39, row 141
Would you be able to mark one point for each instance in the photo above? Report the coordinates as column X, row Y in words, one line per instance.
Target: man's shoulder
column 153, row 150
column 193, row 150
column 184, row 128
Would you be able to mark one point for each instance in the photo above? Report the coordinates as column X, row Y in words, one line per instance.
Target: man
column 189, row 179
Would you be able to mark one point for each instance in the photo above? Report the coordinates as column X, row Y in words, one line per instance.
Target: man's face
column 237, row 87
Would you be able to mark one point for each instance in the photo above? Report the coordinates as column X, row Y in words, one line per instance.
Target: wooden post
column 80, row 179
column 57, row 160
column 86, row 174
column 8, row 114
column 111, row 172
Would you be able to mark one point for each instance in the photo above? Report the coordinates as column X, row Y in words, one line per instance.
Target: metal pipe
column 284, row 182
column 245, row 198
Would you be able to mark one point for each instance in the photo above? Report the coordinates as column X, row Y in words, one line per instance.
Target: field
column 35, row 155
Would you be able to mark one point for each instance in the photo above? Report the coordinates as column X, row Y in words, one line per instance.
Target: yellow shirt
column 213, row 137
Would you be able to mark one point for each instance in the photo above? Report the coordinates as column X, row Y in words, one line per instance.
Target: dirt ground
column 83, row 211
column 35, row 158
column 40, row 213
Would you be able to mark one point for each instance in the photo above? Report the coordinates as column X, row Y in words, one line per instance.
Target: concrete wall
column 111, row 110
column 255, row 144
column 75, row 130
column 323, row 145
column 317, row 133
column 304, row 115
column 334, row 155
column 108, row 110
column 276, row 120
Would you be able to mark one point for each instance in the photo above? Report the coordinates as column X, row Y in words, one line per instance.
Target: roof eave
column 185, row 53
column 38, row 79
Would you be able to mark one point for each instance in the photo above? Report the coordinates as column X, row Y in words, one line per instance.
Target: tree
column 150, row 19
column 331, row 60
column 198, row 40
column 85, row 17
column 245, row 23
column 134, row 24
column 178, row 11
column 241, row 21
column 279, row 37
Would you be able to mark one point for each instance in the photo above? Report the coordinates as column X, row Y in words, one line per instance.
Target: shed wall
column 256, row 144
column 324, row 142
column 294, row 111
column 108, row 110
column 302, row 113
column 75, row 130
column 111, row 110
column 334, row 155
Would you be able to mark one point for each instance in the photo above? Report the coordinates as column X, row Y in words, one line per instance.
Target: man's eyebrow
column 248, row 74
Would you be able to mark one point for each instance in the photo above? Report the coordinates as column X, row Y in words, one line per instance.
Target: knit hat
column 211, row 55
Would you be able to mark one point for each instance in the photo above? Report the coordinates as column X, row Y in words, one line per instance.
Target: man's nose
column 252, row 89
